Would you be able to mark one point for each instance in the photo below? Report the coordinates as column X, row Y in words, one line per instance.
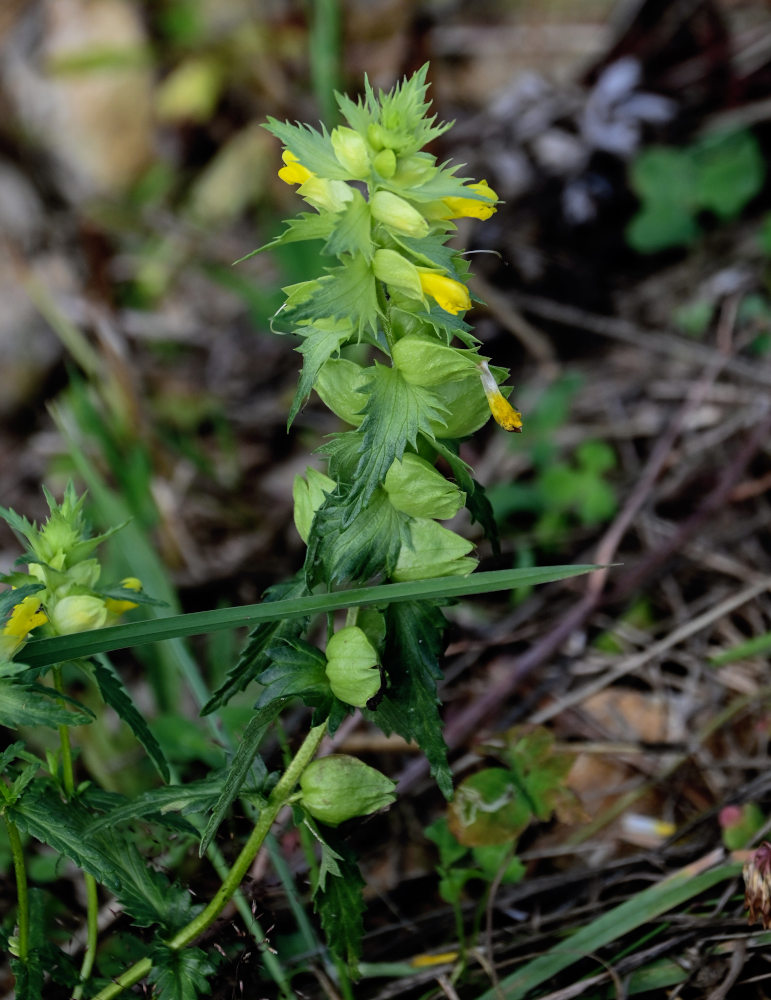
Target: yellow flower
column 451, row 295
column 25, row 616
column 471, row 208
column 116, row 606
column 294, row 172
column 502, row 410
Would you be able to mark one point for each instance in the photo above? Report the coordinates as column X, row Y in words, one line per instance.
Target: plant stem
column 92, row 934
column 278, row 798
column 22, row 893
column 92, row 899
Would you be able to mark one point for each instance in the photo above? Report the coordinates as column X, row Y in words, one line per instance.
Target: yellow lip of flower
column 471, row 208
column 116, row 606
column 450, row 294
column 25, row 616
column 293, row 172
column 502, row 410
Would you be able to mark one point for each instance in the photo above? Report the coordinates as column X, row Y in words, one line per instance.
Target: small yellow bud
column 451, row 295
column 294, row 172
column 397, row 213
column 502, row 410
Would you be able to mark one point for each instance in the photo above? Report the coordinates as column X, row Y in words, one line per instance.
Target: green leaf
column 352, row 231
column 41, row 652
column 729, row 171
column 307, row 226
column 180, row 974
column 246, row 758
column 161, row 805
column 318, row 345
column 410, row 707
column 115, row 695
column 347, row 291
column 660, row 227
column 488, row 809
column 641, row 908
column 34, row 705
column 297, row 670
column 253, row 656
column 109, row 857
column 313, row 149
column 339, row 904
column 477, row 502
column 396, row 412
column 341, row 549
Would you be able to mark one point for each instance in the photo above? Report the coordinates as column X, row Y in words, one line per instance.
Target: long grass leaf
column 41, row 652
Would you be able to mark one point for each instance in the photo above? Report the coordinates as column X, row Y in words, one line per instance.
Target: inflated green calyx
column 339, row 787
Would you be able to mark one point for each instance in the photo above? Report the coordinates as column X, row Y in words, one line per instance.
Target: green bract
column 339, row 787
column 415, row 487
column 308, row 495
column 435, row 551
column 339, row 384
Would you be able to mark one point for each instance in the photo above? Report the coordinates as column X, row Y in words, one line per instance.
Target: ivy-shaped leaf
column 411, row 707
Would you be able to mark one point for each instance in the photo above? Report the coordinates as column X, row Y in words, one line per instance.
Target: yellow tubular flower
column 459, row 208
column 502, row 410
column 451, row 295
column 116, row 606
column 294, row 172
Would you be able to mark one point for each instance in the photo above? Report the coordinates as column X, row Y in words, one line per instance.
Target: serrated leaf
column 306, row 226
column 342, row 549
column 313, row 149
column 297, row 670
column 396, row 412
column 352, row 233
column 115, row 695
column 340, row 905
column 253, row 658
column 344, row 291
column 110, row 858
column 318, row 345
column 477, row 503
column 160, row 805
column 180, row 974
column 34, row 705
column 246, row 757
column 410, row 706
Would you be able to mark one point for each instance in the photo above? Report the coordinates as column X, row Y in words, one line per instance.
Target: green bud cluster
column 61, row 588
